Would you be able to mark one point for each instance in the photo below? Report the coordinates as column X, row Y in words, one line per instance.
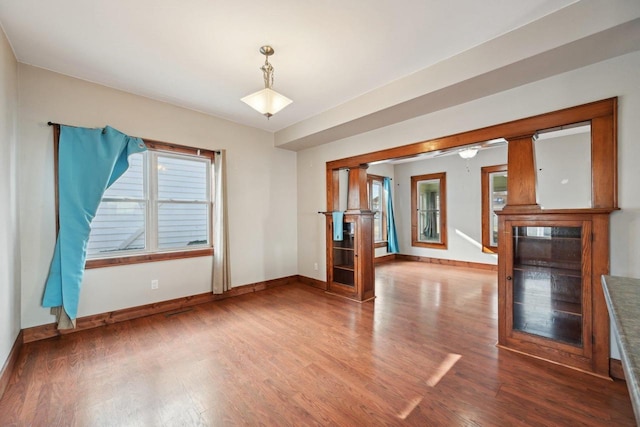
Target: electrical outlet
column 154, row 284
column 315, row 266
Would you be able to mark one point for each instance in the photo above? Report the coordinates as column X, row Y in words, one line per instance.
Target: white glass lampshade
column 267, row 101
column 468, row 153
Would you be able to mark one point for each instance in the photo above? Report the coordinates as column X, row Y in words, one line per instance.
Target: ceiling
column 204, row 54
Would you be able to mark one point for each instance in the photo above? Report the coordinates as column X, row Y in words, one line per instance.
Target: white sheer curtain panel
column 221, row 269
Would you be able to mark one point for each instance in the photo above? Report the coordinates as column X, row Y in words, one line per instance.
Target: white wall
column 615, row 77
column 261, row 188
column 381, row 169
column 561, row 184
column 464, row 209
column 9, row 233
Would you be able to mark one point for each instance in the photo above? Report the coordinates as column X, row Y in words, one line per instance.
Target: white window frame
column 381, row 215
column 152, row 252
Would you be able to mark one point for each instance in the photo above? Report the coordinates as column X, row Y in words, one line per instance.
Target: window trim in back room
column 488, row 217
column 382, row 218
column 441, row 211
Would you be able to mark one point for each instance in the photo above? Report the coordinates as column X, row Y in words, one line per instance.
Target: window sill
column 489, row 249
column 429, row 245
column 139, row 259
column 381, row 244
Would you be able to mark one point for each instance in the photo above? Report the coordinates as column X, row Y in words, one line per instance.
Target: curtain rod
column 59, row 124
column 69, row 126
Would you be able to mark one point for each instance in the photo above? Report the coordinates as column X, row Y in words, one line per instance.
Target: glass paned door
column 344, row 256
column 548, row 282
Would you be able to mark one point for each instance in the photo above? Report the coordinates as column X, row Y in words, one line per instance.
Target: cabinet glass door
column 343, row 256
column 548, row 283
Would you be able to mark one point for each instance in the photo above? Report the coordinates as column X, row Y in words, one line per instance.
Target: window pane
column 376, row 196
column 429, row 210
column 182, row 224
column 377, row 227
column 376, row 206
column 117, row 226
column 182, row 179
column 131, row 184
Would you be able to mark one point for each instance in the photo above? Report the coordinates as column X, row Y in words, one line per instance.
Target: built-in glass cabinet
column 548, row 286
column 344, row 255
column 548, row 281
column 345, row 273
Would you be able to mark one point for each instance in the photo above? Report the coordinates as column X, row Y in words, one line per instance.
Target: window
column 378, row 204
column 159, row 209
column 429, row 210
column 494, row 197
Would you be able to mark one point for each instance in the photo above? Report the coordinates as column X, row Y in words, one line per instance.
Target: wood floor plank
column 422, row 353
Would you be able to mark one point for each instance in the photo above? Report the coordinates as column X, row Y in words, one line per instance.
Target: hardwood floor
column 423, row 353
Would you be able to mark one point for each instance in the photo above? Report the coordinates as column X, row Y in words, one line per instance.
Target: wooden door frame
column 604, row 186
column 604, row 155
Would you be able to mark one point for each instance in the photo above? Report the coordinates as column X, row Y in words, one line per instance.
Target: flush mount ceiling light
column 267, row 101
column 468, row 153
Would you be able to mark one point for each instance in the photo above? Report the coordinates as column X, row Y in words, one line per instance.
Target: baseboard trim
column 384, row 258
column 400, row 257
column 9, row 365
column 448, row 262
column 313, row 282
column 50, row 330
column 533, row 356
column 349, row 298
column 615, row 369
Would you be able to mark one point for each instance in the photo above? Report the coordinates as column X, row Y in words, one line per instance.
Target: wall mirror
column 563, row 166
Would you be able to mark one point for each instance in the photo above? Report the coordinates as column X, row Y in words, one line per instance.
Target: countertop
column 623, row 299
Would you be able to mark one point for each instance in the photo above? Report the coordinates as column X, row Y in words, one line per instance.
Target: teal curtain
column 392, row 237
column 338, row 218
column 89, row 161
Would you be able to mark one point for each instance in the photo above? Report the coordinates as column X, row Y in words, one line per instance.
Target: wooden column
column 604, row 161
column 521, row 185
column 358, row 199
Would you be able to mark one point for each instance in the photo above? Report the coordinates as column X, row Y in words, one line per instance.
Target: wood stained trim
column 521, row 184
column 604, row 161
column 615, row 370
column 176, row 148
column 9, row 365
column 384, row 258
column 442, row 177
column 383, row 212
column 56, row 145
column 50, row 330
column 313, row 282
column 486, row 172
column 449, row 262
column 138, row 259
column 508, row 130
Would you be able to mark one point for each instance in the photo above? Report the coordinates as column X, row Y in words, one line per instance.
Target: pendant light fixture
column 267, row 101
